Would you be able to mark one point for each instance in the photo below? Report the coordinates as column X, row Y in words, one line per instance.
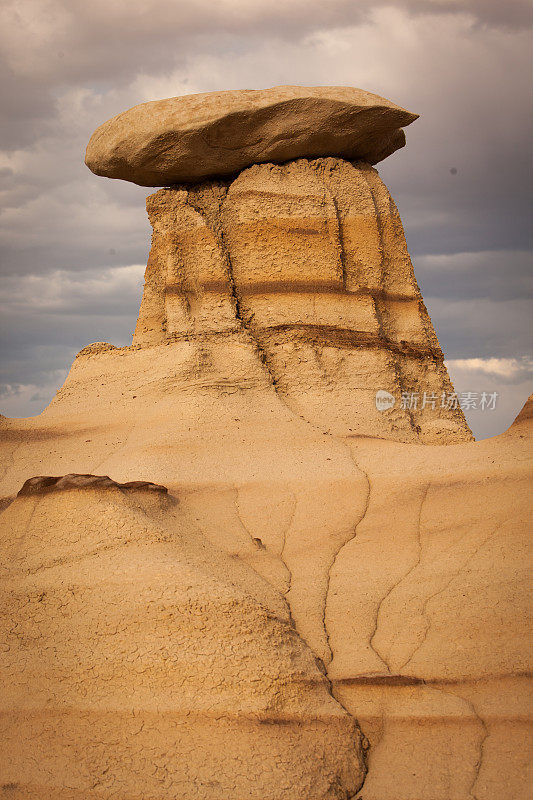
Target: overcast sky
column 74, row 246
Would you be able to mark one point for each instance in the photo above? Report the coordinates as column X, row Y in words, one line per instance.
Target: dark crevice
column 383, row 274
column 338, row 553
column 340, row 235
column 283, row 546
column 347, row 338
column 431, row 597
column 244, row 322
column 398, row 582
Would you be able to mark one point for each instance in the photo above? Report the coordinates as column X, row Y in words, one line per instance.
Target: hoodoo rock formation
column 285, row 589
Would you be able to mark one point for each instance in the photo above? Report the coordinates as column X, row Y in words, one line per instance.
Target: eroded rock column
column 308, row 260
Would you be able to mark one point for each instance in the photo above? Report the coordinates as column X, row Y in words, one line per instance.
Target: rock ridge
column 44, row 484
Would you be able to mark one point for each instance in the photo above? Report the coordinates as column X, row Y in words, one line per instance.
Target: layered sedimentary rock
column 285, row 588
column 308, row 260
column 219, row 133
column 429, row 637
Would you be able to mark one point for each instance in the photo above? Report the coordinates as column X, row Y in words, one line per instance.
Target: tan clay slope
column 429, row 616
column 139, row 660
column 219, row 133
column 408, row 575
column 169, row 414
column 388, row 554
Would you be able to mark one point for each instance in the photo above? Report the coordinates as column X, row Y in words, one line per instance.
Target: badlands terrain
column 226, row 574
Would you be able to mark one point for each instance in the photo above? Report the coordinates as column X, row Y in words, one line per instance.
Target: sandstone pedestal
column 307, row 264
column 283, row 590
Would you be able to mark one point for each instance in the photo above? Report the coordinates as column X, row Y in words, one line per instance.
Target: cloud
column 103, row 291
column 51, row 37
column 499, row 275
column 509, row 379
column 28, row 400
column 47, row 319
column 481, row 327
column 510, row 368
column 68, row 239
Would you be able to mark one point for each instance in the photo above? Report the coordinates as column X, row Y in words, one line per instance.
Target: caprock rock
column 228, row 570
column 221, row 133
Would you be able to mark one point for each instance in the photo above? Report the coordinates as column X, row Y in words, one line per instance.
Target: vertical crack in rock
column 393, row 356
column 395, row 365
column 484, row 730
column 284, row 594
column 369, row 750
column 256, row 542
column 260, row 350
column 284, row 544
column 244, row 323
column 340, row 234
column 235, row 490
column 364, row 743
column 401, row 580
column 481, row 748
column 431, row 597
column 339, row 551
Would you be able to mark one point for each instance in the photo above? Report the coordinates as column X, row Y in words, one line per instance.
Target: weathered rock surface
column 308, row 574
column 139, row 660
column 428, row 627
column 43, row 484
column 219, row 133
column 308, row 262
column 404, row 567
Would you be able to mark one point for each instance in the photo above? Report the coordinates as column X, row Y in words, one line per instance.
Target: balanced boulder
column 187, row 139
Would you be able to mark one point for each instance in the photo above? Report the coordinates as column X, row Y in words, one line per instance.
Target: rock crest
column 187, row 139
column 43, row 484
